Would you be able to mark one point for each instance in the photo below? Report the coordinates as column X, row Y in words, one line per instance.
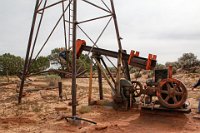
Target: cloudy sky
column 167, row 28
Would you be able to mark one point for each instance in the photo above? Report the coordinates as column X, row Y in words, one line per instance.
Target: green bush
column 40, row 64
column 10, row 64
column 189, row 62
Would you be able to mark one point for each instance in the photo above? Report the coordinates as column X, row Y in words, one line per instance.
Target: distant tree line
column 13, row 65
column 188, row 63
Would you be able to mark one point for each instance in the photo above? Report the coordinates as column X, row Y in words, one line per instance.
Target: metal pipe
column 94, row 19
column 106, row 77
column 98, row 57
column 64, row 25
column 90, row 83
column 126, row 68
column 96, row 6
column 74, row 59
column 119, row 61
column 116, row 26
column 108, row 70
column 51, row 5
column 60, row 90
column 105, row 5
column 36, row 36
column 27, row 52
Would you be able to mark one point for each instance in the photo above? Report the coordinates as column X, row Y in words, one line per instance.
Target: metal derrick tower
column 71, row 24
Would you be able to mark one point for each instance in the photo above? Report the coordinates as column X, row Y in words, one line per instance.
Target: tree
column 40, row 64
column 189, row 62
column 83, row 63
column 10, row 64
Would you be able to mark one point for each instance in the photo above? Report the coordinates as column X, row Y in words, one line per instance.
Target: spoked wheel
column 137, row 88
column 172, row 93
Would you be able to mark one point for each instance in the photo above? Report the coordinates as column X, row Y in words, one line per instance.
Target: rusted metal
column 64, row 25
column 60, row 90
column 135, row 61
column 74, row 58
column 119, row 59
column 126, row 68
column 106, row 77
column 36, row 36
column 171, row 93
column 27, row 53
column 170, row 71
column 98, row 57
column 96, row 6
column 110, row 74
column 54, row 4
column 94, row 19
column 90, row 83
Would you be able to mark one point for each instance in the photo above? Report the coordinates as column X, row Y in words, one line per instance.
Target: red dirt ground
column 42, row 111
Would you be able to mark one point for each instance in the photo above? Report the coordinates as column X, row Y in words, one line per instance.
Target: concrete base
column 160, row 108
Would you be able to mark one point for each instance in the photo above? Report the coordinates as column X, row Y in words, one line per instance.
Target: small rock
column 101, row 127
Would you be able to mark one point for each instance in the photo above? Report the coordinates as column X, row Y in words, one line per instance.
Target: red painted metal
column 79, row 44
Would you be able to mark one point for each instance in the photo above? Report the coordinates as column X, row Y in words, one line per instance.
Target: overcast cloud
column 167, row 28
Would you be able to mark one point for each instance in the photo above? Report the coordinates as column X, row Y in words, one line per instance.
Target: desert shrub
column 84, row 109
column 189, row 62
column 53, row 79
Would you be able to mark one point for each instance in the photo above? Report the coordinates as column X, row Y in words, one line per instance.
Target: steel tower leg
column 119, row 62
column 27, row 53
column 74, row 59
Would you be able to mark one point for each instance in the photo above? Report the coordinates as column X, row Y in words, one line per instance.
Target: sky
column 166, row 28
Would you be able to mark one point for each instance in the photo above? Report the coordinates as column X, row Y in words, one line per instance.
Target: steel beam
column 135, row 61
column 28, row 52
column 74, row 59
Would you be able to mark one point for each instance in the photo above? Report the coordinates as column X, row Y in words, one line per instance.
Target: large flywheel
column 171, row 93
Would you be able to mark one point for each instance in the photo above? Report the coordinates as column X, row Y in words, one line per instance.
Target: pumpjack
column 162, row 90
